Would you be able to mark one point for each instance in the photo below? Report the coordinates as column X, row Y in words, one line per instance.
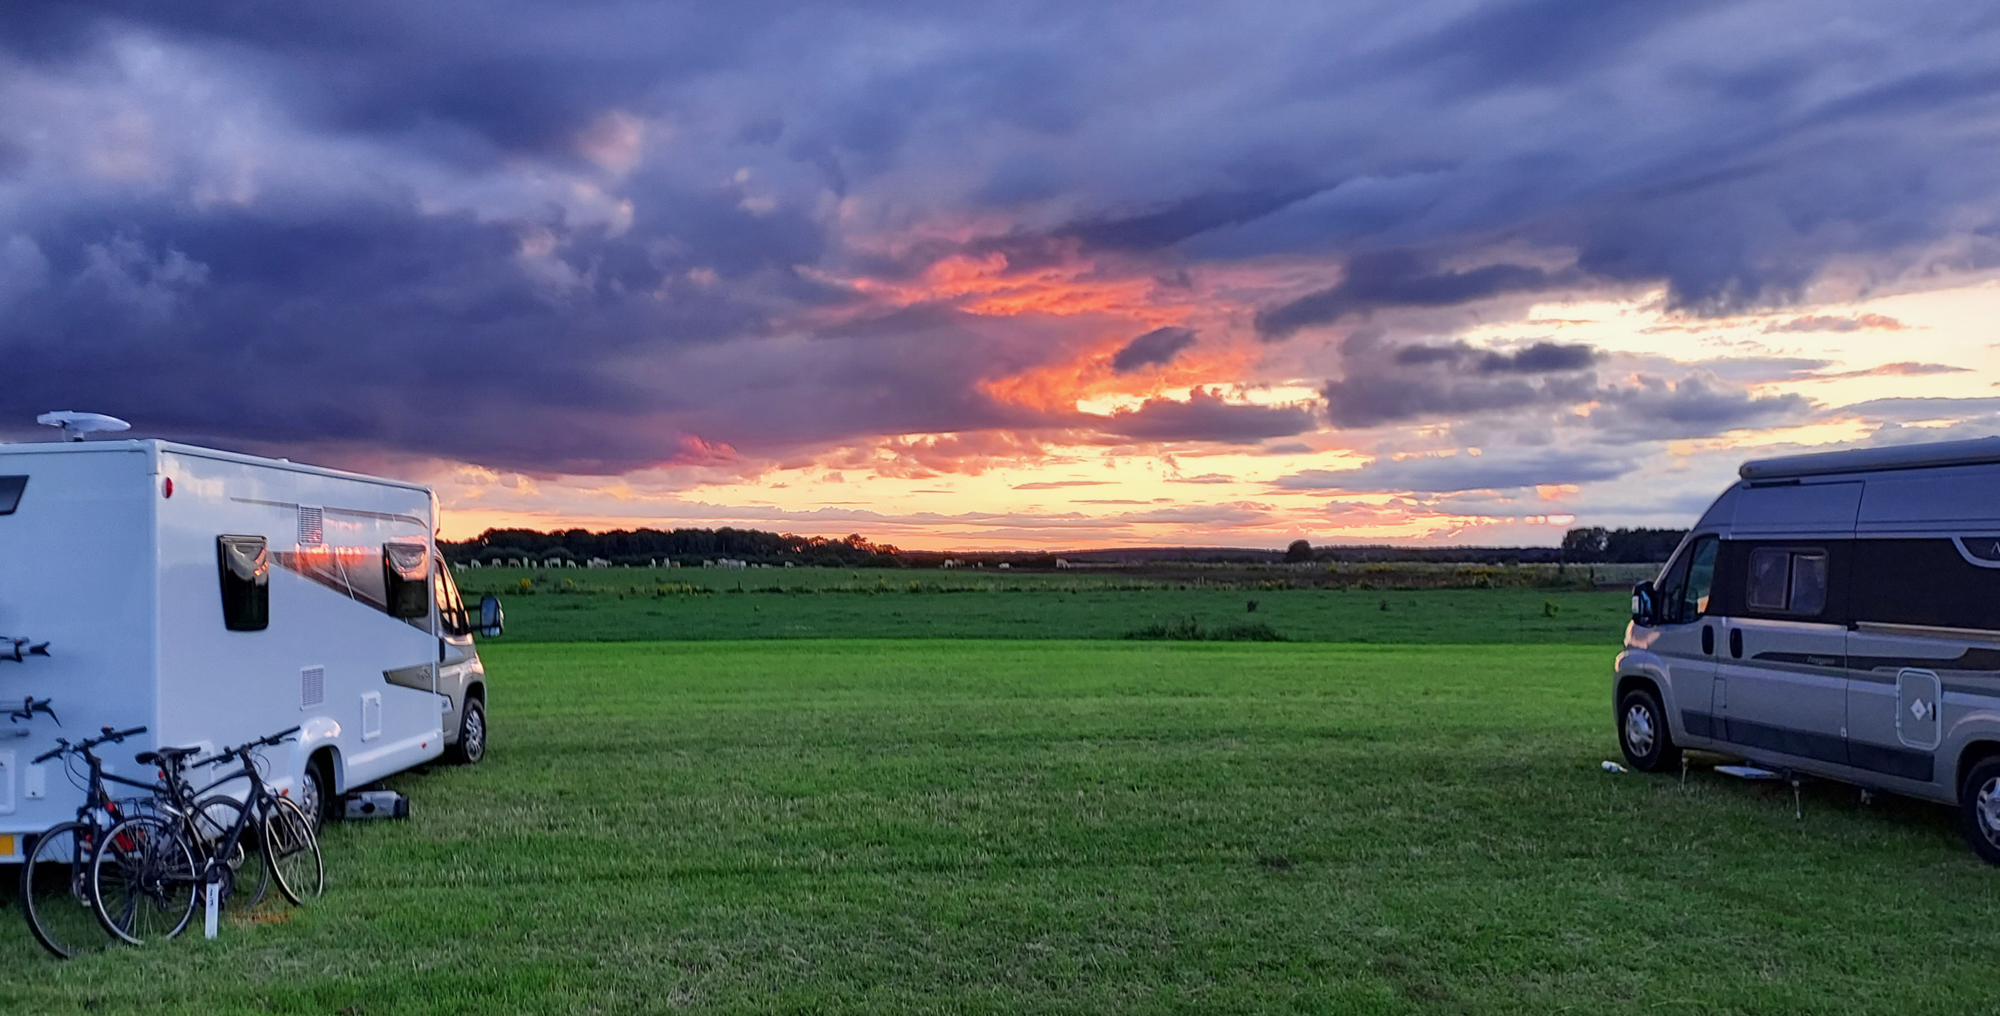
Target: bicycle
column 144, row 878
column 55, row 896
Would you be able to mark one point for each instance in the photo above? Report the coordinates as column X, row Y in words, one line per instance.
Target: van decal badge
column 1920, row 709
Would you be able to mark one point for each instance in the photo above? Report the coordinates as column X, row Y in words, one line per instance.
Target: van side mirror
column 492, row 620
column 1645, row 605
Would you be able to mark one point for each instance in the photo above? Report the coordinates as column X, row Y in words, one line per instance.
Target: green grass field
column 1087, row 827
column 694, row 603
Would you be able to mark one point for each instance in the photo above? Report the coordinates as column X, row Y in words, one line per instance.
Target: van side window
column 244, row 563
column 407, row 575
column 1701, row 579
column 1923, row 582
column 1684, row 589
column 452, row 619
column 1787, row 580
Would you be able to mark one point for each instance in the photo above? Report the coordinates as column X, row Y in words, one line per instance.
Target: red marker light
column 167, row 487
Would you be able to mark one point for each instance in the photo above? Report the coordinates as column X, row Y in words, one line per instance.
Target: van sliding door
column 1781, row 678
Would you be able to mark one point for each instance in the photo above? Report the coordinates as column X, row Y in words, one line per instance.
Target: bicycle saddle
column 164, row 755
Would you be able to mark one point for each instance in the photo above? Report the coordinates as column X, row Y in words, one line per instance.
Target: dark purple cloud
column 1207, row 416
column 1508, row 470
column 1152, row 349
column 589, row 237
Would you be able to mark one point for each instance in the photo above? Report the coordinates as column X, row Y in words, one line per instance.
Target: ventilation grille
column 312, row 687
column 312, row 527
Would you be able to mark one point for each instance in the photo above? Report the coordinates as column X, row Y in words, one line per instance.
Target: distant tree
column 1622, row 546
column 1300, row 551
column 1585, row 545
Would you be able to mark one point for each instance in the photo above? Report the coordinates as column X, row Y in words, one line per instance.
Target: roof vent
column 75, row 425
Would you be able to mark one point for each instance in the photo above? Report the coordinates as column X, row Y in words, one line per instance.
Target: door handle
column 1736, row 643
column 1708, row 639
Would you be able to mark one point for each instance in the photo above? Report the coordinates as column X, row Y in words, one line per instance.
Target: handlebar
column 229, row 753
column 87, row 743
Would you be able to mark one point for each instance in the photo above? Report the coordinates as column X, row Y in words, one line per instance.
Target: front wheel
column 55, row 892
column 142, row 880
column 1979, row 810
column 292, row 851
column 1643, row 734
column 213, row 820
column 471, row 746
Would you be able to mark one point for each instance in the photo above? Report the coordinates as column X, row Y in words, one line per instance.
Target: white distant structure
column 76, row 425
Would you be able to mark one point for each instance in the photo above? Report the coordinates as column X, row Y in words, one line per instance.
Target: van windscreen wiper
column 19, row 650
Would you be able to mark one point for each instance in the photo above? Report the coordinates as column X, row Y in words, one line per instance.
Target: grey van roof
column 1869, row 460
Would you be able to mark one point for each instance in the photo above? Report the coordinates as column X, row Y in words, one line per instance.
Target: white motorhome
column 1838, row 615
column 214, row 598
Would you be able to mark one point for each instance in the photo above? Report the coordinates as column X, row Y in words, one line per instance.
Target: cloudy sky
column 1016, row 274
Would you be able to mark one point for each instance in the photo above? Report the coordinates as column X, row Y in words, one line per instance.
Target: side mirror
column 1645, row 605
column 492, row 620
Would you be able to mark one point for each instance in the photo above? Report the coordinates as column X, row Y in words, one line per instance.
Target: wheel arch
column 1974, row 752
column 328, row 760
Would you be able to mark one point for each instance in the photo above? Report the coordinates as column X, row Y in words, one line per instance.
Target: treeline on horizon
column 694, row 546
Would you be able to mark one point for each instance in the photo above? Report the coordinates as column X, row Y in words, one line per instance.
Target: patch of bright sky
column 1083, row 496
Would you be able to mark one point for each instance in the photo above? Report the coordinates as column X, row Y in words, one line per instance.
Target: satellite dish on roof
column 76, row 425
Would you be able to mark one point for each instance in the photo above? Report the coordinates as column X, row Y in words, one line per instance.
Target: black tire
column 471, row 746
column 315, row 794
column 292, row 851
column 142, row 880
column 1643, row 733
column 55, row 892
column 213, row 818
column 1979, row 809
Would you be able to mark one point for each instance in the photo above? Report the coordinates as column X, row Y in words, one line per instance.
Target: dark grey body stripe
column 1910, row 765
column 1973, row 659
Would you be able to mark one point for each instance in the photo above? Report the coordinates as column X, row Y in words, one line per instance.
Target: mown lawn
column 1008, row 827
column 774, row 605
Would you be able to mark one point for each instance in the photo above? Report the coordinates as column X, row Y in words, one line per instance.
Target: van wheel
column 1642, row 732
column 314, row 792
column 1979, row 809
column 471, row 746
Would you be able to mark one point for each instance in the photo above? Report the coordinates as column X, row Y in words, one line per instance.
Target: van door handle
column 1736, row 643
column 1708, row 639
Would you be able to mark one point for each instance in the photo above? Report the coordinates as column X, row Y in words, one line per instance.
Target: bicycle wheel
column 55, row 892
column 142, row 880
column 292, row 851
column 213, row 818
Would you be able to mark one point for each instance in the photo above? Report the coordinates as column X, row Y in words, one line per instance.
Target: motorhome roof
column 156, row 446
column 1869, row 460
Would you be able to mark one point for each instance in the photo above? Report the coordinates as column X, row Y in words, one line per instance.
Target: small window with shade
column 245, row 566
column 1787, row 580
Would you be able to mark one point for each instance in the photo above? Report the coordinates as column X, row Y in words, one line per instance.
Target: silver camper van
column 1838, row 615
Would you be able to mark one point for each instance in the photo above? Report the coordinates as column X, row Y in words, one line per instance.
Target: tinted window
column 245, row 566
column 1701, row 579
column 10, row 493
column 451, row 610
column 1770, row 573
column 1787, row 580
column 1684, row 588
column 406, row 576
column 1926, row 582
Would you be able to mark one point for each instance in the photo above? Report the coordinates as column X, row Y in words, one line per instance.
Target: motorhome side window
column 1787, row 580
column 244, row 563
column 1926, row 582
column 407, row 575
